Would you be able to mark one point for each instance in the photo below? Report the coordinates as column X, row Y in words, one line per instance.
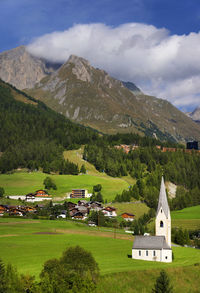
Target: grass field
column 183, row 279
column 21, row 183
column 138, row 209
column 29, row 243
column 187, row 213
column 188, row 218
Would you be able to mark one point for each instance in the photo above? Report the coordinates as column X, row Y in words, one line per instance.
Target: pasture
column 21, row 183
column 138, row 209
column 188, row 218
column 27, row 244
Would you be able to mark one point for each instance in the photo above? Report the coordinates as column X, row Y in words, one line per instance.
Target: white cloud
column 164, row 65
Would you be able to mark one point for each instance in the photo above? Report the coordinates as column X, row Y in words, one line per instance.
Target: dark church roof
column 163, row 200
column 150, row 242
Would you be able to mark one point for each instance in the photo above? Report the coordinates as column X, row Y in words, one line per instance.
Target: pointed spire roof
column 162, row 202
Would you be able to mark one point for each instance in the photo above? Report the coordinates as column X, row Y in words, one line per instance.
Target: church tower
column 163, row 218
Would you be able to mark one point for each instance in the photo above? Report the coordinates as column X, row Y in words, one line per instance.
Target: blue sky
column 21, row 20
column 29, row 21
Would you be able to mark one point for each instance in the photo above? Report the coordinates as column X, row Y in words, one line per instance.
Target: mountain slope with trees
column 33, row 136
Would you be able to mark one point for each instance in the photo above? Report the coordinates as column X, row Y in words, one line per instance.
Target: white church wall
column 166, row 255
column 163, row 255
column 146, row 254
column 166, row 229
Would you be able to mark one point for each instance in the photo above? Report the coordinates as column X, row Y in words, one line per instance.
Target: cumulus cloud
column 164, row 65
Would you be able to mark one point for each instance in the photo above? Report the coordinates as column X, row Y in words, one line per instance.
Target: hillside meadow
column 21, row 183
column 27, row 244
column 188, row 218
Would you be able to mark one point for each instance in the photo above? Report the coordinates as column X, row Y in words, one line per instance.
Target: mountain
column 91, row 97
column 132, row 87
column 23, row 70
column 195, row 115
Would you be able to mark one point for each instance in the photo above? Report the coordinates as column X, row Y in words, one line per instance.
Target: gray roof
column 150, row 242
column 162, row 202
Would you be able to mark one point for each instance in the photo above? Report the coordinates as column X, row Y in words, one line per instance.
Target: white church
column 156, row 248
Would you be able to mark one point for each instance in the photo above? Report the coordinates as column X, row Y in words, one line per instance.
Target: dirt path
column 16, row 223
column 96, row 233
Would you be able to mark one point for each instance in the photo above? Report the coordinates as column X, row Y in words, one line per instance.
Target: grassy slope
column 183, row 279
column 75, row 156
column 187, row 213
column 23, row 183
column 111, row 254
column 188, row 218
column 138, row 209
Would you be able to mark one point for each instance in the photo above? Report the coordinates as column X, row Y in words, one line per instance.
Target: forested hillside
column 147, row 164
column 33, row 136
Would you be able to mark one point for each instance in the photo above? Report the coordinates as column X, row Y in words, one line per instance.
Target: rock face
column 93, row 98
column 21, row 69
column 195, row 115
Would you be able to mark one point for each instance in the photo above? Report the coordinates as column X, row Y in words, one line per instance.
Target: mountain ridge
column 93, row 98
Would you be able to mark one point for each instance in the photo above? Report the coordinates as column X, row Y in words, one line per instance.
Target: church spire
column 162, row 202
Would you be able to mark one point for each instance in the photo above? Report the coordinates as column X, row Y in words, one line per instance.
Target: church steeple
column 163, row 218
column 162, row 202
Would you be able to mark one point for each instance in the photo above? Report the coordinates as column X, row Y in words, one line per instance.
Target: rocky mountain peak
column 195, row 115
column 21, row 69
column 81, row 68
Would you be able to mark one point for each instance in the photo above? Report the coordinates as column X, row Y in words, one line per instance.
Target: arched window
column 161, row 224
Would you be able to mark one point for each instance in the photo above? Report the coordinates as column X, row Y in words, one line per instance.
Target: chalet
column 158, row 247
column 39, row 195
column 3, row 210
column 79, row 216
column 109, row 212
column 42, row 193
column 82, row 202
column 95, row 206
column 73, row 211
column 71, row 205
column 128, row 217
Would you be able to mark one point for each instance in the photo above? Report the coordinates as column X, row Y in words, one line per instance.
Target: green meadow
column 187, row 213
column 138, row 209
column 27, row 244
column 188, row 218
column 21, row 183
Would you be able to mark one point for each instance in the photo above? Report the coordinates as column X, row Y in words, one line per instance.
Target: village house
column 3, row 210
column 39, row 195
column 109, row 212
column 156, row 248
column 128, row 217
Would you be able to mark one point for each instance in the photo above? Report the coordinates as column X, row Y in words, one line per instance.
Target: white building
column 156, row 248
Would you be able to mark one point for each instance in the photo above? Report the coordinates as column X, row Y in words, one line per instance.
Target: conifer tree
column 162, row 284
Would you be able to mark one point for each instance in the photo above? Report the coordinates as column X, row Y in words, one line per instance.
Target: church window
column 161, row 224
column 154, row 253
column 165, row 257
column 161, row 210
column 139, row 252
column 146, row 252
